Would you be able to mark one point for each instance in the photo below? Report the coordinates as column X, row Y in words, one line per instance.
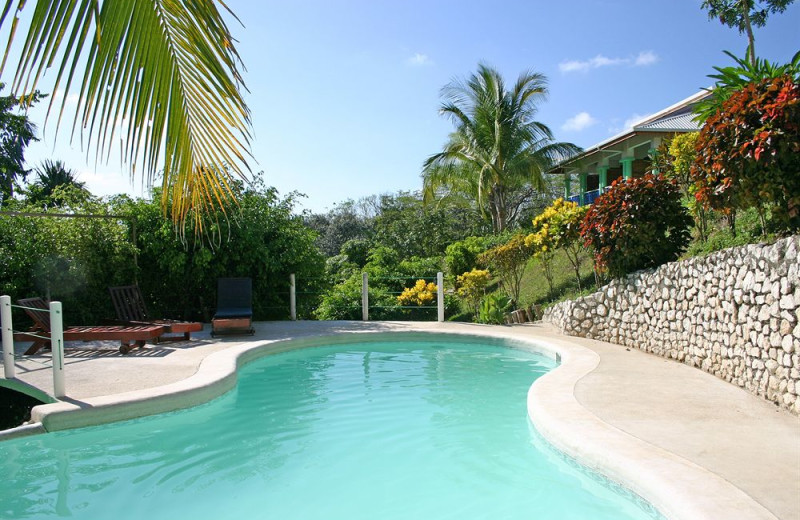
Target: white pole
column 8, row 336
column 440, row 294
column 292, row 298
column 57, row 346
column 365, row 296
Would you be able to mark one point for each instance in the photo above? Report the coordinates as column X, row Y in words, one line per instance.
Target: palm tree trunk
column 751, row 48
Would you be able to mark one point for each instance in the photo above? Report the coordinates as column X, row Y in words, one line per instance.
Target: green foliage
column 413, row 228
column 342, row 301
column 493, row 309
column 76, row 260
column 338, row 226
column 73, row 260
column 471, row 287
column 462, row 255
column 730, row 80
column 50, row 176
column 749, row 152
column 356, row 250
column 636, row 224
column 508, row 262
column 263, row 240
column 748, row 231
column 744, row 14
column 498, row 150
column 675, row 158
column 16, row 132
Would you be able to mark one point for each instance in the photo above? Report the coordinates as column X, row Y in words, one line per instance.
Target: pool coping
column 678, row 488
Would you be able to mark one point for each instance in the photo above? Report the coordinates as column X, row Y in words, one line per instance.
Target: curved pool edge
column 676, row 487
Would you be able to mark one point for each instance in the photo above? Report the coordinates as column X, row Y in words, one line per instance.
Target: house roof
column 674, row 123
column 676, row 118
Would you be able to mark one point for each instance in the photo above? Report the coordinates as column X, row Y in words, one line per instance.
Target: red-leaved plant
column 748, row 152
column 636, row 224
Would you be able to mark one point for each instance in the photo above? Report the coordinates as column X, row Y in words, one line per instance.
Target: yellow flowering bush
column 558, row 226
column 472, row 287
column 508, row 261
column 421, row 294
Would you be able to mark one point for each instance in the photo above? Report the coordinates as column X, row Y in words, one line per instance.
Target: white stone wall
column 734, row 314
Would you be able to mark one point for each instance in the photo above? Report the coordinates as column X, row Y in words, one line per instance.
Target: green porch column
column 567, row 186
column 583, row 188
column 602, row 173
column 627, row 167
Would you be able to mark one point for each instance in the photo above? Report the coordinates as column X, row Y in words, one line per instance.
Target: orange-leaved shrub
column 748, row 152
column 636, row 224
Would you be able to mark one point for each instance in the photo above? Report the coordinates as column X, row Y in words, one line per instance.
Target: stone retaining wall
column 734, row 314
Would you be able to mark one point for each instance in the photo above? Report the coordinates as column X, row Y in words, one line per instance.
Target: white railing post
column 8, row 336
column 365, row 296
column 57, row 346
column 440, row 295
column 292, row 298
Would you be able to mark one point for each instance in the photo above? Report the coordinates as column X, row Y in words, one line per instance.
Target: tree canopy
column 498, row 152
column 16, row 132
column 743, row 15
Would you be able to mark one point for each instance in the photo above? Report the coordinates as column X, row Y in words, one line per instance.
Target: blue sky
column 345, row 94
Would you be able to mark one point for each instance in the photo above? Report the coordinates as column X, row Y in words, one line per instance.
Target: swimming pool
column 364, row 430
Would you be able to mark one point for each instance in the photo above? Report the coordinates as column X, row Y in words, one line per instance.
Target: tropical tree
column 160, row 77
column 51, row 175
column 498, row 150
column 743, row 15
column 16, row 132
column 730, row 80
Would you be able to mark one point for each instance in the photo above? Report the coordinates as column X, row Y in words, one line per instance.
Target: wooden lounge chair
column 234, row 307
column 131, row 310
column 128, row 336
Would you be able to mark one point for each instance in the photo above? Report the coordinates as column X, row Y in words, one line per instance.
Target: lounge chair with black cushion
column 131, row 310
column 129, row 336
column 234, row 307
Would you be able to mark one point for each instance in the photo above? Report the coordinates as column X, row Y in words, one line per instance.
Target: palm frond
column 161, row 79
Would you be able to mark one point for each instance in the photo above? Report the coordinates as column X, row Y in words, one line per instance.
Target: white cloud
column 419, row 60
column 627, row 124
column 635, row 118
column 643, row 59
column 578, row 122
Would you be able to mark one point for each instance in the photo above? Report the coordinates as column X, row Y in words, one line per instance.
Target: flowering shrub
column 674, row 160
column 558, row 226
column 472, row 286
column 421, row 294
column 748, row 152
column 636, row 224
column 508, row 261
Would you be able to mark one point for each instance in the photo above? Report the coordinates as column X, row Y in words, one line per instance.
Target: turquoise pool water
column 389, row 430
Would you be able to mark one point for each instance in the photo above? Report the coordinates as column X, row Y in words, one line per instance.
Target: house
column 625, row 155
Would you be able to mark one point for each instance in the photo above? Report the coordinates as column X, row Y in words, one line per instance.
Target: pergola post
column 602, row 174
column 627, row 167
column 584, row 183
column 567, row 185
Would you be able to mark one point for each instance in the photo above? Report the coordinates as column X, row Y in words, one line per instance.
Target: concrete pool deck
column 725, row 438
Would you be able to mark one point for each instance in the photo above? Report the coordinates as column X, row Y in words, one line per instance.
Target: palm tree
column 50, row 175
column 498, row 152
column 161, row 78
